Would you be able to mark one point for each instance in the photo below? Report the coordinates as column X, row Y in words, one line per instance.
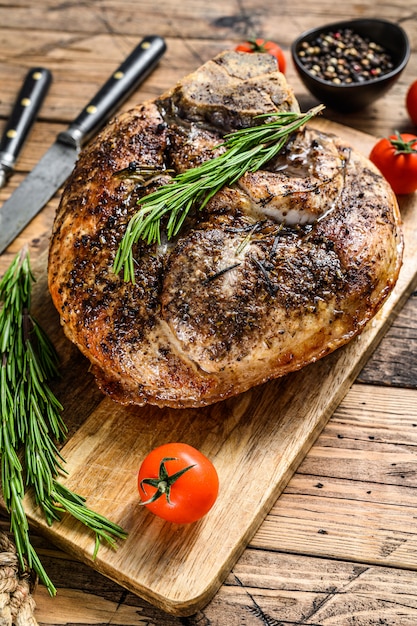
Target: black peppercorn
column 344, row 57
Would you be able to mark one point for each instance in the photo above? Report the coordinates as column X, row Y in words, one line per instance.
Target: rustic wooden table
column 340, row 545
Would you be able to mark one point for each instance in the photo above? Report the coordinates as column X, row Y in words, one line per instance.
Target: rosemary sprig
column 247, row 149
column 31, row 421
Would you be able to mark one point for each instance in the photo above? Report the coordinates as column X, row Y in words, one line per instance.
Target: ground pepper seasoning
column 344, row 57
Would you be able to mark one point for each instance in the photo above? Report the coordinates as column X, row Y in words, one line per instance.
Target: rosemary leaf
column 247, row 149
column 31, row 422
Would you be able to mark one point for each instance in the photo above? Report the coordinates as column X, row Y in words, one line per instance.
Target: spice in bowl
column 348, row 65
column 345, row 57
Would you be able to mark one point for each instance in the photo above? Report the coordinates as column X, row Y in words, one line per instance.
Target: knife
column 23, row 115
column 58, row 162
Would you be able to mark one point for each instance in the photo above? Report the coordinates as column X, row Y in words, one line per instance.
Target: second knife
column 22, row 117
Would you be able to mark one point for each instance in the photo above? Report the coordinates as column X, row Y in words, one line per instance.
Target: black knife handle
column 138, row 65
column 24, row 112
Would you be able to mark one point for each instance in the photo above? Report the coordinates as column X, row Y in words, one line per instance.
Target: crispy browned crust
column 215, row 311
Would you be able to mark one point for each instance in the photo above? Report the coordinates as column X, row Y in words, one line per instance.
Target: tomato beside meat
column 396, row 158
column 411, row 101
column 261, row 45
column 178, row 483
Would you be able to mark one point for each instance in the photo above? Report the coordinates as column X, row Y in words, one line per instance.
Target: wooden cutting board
column 256, row 442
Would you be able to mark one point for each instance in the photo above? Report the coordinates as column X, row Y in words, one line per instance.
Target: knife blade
column 25, row 109
column 50, row 173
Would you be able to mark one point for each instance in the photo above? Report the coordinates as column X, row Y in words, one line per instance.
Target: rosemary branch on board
column 31, row 421
column 247, row 149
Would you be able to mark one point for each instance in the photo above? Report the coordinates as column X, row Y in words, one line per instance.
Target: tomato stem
column 402, row 146
column 164, row 482
column 257, row 45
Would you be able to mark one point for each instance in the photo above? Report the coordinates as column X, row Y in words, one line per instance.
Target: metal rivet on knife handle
column 24, row 112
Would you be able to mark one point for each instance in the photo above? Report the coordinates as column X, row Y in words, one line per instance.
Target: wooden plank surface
column 333, row 502
column 257, row 439
column 352, row 491
column 286, row 580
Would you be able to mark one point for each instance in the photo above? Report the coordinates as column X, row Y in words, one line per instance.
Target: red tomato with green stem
column 178, row 483
column 411, row 101
column 261, row 45
column 396, row 158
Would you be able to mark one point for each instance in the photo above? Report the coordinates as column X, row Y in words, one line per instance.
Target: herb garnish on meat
column 247, row 149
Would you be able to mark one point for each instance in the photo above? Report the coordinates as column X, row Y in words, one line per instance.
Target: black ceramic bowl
column 355, row 96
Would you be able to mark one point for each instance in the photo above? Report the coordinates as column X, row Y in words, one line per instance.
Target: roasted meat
column 275, row 272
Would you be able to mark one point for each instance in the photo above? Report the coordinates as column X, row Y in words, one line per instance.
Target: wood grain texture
column 258, row 438
column 314, row 592
column 395, row 363
column 365, row 453
column 348, row 475
column 337, row 504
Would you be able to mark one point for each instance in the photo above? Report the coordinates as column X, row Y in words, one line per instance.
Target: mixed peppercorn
column 344, row 57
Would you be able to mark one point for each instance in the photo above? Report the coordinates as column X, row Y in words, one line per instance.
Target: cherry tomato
column 178, row 483
column 411, row 101
column 260, row 45
column 396, row 158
